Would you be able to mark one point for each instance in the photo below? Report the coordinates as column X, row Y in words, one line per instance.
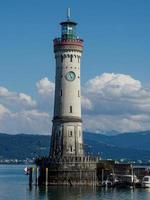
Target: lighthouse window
column 71, row 58
column 78, row 93
column 70, row 109
column 79, row 133
column 70, row 133
column 78, row 59
column 71, row 148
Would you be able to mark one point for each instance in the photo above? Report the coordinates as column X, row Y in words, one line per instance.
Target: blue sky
column 115, row 67
column 116, row 35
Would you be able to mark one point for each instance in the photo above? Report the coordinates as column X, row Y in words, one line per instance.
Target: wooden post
column 95, row 178
column 46, row 178
column 30, row 177
column 36, row 176
column 102, row 175
column 133, row 184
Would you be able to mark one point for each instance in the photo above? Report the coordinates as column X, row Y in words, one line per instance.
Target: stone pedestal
column 69, row 171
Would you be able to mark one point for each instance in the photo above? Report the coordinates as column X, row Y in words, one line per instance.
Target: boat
column 146, row 182
column 127, row 181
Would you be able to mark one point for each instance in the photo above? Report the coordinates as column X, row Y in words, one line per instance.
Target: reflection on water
column 63, row 193
column 87, row 193
column 14, row 186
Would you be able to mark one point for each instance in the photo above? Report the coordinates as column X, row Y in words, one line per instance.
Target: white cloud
column 3, row 111
column 19, row 113
column 16, row 101
column 109, row 102
column 45, row 87
column 31, row 121
column 113, row 84
column 116, row 94
column 86, row 103
column 106, row 123
column 117, row 101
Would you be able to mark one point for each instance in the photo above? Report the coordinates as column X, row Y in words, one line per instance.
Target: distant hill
column 135, row 146
column 128, row 145
column 139, row 140
column 23, row 146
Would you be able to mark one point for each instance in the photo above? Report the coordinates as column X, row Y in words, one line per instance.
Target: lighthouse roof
column 68, row 22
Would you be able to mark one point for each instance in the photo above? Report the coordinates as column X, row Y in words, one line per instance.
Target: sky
column 114, row 71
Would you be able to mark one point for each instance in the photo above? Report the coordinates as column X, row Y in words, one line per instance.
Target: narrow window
column 61, row 58
column 78, row 59
column 70, row 109
column 71, row 58
column 71, row 148
column 70, row 133
column 78, row 93
column 79, row 133
column 61, row 93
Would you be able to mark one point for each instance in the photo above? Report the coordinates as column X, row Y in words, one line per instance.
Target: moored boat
column 127, row 181
column 146, row 182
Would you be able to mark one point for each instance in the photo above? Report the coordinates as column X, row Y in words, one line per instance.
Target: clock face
column 70, row 76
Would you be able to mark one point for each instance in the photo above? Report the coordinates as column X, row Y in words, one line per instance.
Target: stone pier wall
column 69, row 171
column 68, row 177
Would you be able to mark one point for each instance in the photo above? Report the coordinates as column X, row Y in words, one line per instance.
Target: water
column 14, row 186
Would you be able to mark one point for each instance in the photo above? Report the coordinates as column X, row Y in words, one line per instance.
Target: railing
column 79, row 159
column 67, row 160
column 61, row 41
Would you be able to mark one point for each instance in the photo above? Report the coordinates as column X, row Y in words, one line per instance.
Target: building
column 67, row 163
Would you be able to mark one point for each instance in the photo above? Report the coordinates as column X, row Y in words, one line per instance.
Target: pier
column 87, row 171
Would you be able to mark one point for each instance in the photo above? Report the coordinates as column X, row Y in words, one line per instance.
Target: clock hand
column 70, row 75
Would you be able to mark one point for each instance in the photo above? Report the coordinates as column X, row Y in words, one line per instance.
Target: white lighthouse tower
column 67, row 164
column 66, row 140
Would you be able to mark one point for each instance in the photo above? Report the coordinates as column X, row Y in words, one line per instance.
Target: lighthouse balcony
column 61, row 41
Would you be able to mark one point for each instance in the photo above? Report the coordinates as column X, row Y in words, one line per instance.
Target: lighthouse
column 67, row 163
column 66, row 139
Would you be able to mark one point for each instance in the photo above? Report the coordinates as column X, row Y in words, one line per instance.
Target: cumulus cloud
column 3, row 110
column 107, row 123
column 19, row 113
column 117, row 102
column 16, row 101
column 86, row 103
column 110, row 101
column 116, row 94
column 45, row 87
column 31, row 121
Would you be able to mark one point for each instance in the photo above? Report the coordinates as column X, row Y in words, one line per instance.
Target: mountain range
column 133, row 146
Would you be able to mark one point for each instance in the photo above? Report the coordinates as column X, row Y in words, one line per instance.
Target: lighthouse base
column 69, row 171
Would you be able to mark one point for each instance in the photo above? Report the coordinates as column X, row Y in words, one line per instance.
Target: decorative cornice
column 65, row 119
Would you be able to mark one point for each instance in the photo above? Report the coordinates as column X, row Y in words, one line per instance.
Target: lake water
column 14, row 186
